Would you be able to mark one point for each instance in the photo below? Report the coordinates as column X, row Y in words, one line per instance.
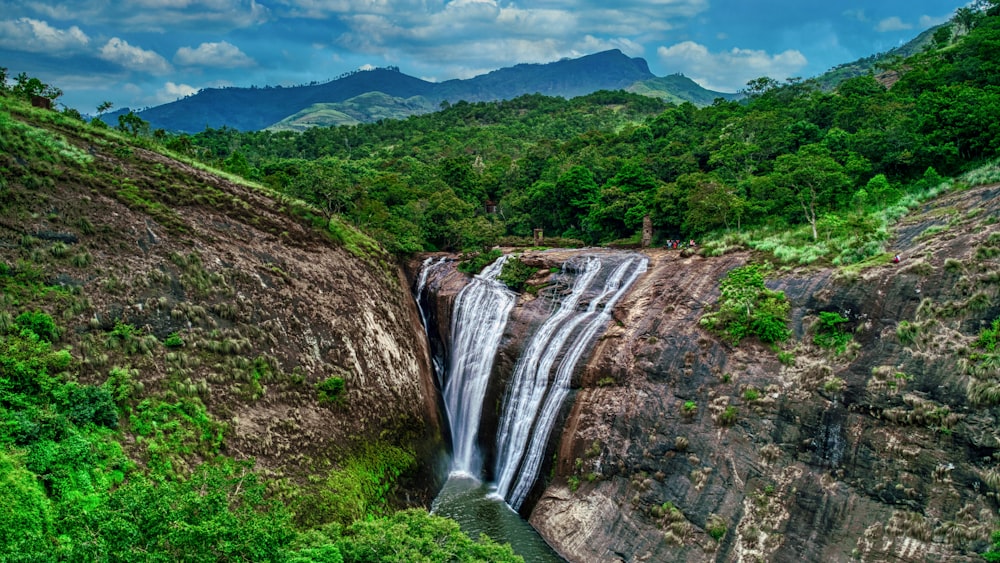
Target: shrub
column 330, row 390
column 89, row 404
column 173, row 340
column 728, row 416
column 689, row 408
column 751, row 395
column 747, row 308
column 716, row 527
column 573, row 482
column 515, row 273
column 476, row 262
column 40, row 324
column 829, row 333
column 907, row 332
column 786, row 358
column 988, row 337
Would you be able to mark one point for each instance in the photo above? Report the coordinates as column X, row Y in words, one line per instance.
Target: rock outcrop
column 679, row 446
column 882, row 453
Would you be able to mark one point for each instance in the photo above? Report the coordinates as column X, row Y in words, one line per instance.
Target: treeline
column 591, row 168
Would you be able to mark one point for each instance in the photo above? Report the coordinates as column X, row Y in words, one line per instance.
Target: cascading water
column 535, row 396
column 429, row 266
column 580, row 307
column 481, row 311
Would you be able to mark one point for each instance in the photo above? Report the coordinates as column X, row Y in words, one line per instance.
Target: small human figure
column 895, row 259
column 692, row 244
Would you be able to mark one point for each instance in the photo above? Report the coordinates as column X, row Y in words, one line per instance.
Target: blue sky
column 141, row 53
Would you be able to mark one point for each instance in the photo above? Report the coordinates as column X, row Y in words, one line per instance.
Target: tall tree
column 817, row 180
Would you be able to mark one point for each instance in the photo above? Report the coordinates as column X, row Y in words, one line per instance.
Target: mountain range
column 382, row 93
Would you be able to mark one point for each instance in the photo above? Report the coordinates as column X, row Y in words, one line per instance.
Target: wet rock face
column 882, row 453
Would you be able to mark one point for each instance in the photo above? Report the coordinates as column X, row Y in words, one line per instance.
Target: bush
column 475, row 263
column 716, row 527
column 40, row 324
column 415, row 535
column 515, row 273
column 173, row 340
column 331, row 390
column 829, row 333
column 89, row 404
column 728, row 416
column 747, row 308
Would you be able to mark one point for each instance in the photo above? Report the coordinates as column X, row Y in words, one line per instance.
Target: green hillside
column 372, row 106
column 794, row 158
column 677, row 89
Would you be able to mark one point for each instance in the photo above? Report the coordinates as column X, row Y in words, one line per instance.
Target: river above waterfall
column 478, row 511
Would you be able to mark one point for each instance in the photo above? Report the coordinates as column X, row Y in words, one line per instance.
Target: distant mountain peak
column 341, row 100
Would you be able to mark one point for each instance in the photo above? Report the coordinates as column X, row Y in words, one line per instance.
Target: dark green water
column 469, row 502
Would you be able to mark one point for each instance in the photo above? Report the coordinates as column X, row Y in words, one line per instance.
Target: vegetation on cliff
column 136, row 351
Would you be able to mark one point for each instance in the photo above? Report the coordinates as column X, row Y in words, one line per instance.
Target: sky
column 142, row 53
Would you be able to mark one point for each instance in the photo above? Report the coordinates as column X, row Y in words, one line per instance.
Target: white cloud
column 465, row 36
column 134, row 58
column 221, row 55
column 155, row 15
column 172, row 91
column 892, row 24
column 36, row 36
column 729, row 71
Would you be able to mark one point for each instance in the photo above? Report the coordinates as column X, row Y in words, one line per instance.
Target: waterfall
column 480, row 315
column 587, row 290
column 533, row 402
column 428, row 267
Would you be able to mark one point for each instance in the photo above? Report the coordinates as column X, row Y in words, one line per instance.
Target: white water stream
column 586, row 291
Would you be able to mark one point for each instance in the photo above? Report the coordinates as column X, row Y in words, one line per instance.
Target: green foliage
column 38, row 323
column 330, row 390
column 515, row 273
column 415, row 535
column 358, row 489
column 786, row 358
column 26, row 521
column 133, row 124
column 716, row 527
column 829, row 334
column 88, row 404
column 989, row 337
column 751, row 394
column 174, row 340
column 218, row 514
column 573, row 482
column 747, row 308
column 728, row 416
column 907, row 332
column 170, row 431
column 476, row 262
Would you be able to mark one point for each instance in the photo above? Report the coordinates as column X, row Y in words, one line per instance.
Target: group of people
column 675, row 244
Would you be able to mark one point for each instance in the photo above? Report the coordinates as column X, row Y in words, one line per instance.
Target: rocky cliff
column 209, row 291
column 678, row 446
column 885, row 452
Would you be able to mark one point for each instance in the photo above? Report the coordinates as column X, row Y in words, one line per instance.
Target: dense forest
column 790, row 157
column 792, row 169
